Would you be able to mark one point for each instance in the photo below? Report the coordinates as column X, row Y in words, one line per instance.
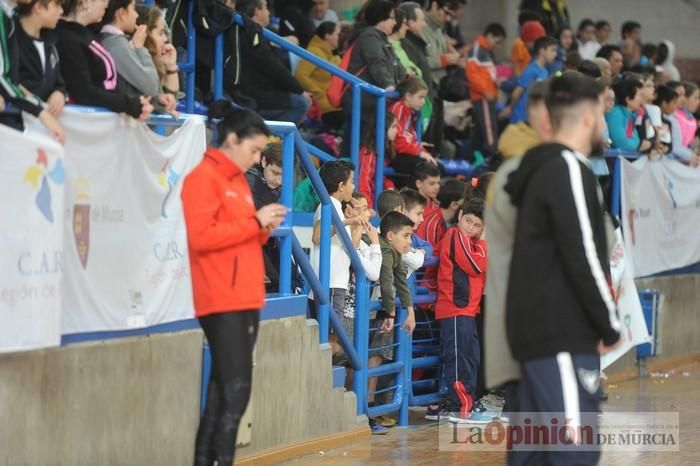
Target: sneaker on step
column 377, row 429
column 481, row 414
column 493, row 402
column 435, row 413
column 455, row 417
column 386, row 421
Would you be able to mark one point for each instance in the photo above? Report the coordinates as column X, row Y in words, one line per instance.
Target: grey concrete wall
column 135, row 401
column 293, row 397
column 132, row 401
column 679, row 319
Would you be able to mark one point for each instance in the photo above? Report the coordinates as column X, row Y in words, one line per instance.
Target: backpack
column 338, row 87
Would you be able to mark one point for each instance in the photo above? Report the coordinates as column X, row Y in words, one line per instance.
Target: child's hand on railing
column 387, row 325
column 409, row 324
column 169, row 103
column 146, row 108
column 56, row 103
column 50, row 122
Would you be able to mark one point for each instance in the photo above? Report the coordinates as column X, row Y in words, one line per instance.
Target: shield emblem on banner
column 81, row 231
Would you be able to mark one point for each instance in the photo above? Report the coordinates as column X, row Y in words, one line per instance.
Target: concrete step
column 338, row 376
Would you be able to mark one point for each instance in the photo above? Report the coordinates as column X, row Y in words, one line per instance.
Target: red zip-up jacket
column 461, row 275
column 432, row 230
column 406, row 142
column 224, row 238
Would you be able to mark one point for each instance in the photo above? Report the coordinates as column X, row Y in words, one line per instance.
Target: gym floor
column 676, row 390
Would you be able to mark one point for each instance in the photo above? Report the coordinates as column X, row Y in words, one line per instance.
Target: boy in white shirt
column 338, row 180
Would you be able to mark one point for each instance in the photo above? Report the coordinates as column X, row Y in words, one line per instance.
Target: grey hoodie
column 134, row 65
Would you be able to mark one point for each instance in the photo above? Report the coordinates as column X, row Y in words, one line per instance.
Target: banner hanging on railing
column 125, row 257
column 634, row 330
column 31, row 232
column 660, row 214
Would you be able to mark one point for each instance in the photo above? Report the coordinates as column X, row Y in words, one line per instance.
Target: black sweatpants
column 485, row 131
column 564, row 387
column 231, row 337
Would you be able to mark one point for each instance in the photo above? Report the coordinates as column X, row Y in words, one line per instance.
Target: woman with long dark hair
column 225, row 237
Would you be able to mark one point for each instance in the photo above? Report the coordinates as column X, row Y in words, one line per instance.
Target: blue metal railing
column 358, row 87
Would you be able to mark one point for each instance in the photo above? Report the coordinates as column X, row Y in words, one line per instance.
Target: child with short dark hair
column 337, row 177
column 414, row 206
column 395, row 240
column 265, row 179
column 39, row 68
column 389, row 201
column 434, row 227
column 427, row 182
column 395, row 230
column 545, row 52
column 461, row 284
column 370, row 254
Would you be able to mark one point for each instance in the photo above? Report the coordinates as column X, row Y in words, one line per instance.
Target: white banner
column 634, row 330
column 660, row 214
column 125, row 262
column 31, row 235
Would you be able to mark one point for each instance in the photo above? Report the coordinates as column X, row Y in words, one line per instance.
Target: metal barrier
column 358, row 87
column 357, row 351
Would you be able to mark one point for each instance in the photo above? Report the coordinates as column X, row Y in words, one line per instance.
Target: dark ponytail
column 112, row 7
column 242, row 122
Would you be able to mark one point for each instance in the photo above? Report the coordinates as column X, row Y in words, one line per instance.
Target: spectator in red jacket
column 225, row 237
column 434, row 227
column 461, row 278
column 409, row 150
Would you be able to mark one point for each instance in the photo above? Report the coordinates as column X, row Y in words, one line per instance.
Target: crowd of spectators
column 117, row 55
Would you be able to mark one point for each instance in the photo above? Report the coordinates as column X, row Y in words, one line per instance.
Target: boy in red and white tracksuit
column 461, row 279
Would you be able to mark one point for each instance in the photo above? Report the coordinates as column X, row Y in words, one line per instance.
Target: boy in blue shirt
column 545, row 52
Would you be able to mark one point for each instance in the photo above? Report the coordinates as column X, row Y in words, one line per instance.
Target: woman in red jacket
column 225, row 237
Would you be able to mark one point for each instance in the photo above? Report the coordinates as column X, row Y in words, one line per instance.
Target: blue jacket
column 419, row 243
column 619, row 121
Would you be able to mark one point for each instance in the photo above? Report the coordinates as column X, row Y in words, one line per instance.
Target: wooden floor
column 676, row 390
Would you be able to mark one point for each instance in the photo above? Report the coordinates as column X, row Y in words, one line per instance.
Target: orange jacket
column 481, row 71
column 520, row 56
column 224, row 238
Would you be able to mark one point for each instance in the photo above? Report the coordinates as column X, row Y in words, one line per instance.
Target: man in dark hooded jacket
column 255, row 70
column 560, row 312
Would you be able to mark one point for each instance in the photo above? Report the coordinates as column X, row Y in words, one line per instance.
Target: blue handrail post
column 359, row 382
column 191, row 62
column 616, row 187
column 406, row 355
column 218, row 67
column 286, row 198
column 325, row 268
column 356, row 118
column 379, row 138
